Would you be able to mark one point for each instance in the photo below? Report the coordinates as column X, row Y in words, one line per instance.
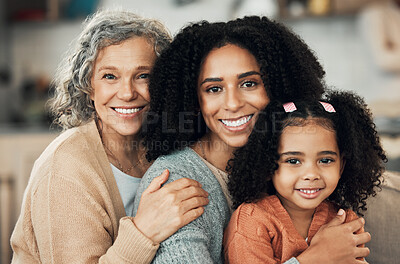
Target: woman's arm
column 337, row 242
column 200, row 241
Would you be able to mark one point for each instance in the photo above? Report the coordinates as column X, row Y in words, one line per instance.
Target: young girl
column 303, row 161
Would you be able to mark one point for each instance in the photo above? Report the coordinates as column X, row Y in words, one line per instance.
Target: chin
column 237, row 142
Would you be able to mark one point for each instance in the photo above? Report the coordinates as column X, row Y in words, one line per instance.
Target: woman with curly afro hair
column 207, row 90
column 303, row 161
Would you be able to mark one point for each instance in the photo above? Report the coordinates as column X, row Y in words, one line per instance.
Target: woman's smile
column 238, row 123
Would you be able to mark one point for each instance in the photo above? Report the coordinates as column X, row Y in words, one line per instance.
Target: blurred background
column 357, row 41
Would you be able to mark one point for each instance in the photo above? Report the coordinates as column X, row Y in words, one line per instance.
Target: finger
column 181, row 184
column 354, row 225
column 362, row 238
column 338, row 219
column 190, row 192
column 191, row 215
column 157, row 182
column 193, row 203
column 362, row 252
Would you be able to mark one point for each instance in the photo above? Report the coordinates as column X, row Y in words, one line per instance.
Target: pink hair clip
column 289, row 107
column 328, row 107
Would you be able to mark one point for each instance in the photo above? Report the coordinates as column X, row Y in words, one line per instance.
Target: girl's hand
column 162, row 211
column 336, row 242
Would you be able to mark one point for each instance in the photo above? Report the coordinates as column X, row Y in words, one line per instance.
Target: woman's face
column 231, row 94
column 120, row 85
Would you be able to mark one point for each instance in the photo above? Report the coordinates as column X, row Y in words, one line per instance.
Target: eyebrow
column 113, row 68
column 328, row 152
column 243, row 75
column 240, row 76
column 292, row 153
column 298, row 153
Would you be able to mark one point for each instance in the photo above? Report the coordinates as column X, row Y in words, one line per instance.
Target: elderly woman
column 77, row 207
column 216, row 78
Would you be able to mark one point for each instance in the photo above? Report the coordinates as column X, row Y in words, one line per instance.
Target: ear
column 342, row 164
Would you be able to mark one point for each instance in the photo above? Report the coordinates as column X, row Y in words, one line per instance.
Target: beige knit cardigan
column 72, row 211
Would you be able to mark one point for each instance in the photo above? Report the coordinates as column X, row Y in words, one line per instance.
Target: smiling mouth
column 127, row 110
column 309, row 191
column 236, row 123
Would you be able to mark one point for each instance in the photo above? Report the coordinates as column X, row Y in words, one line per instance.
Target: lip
column 241, row 123
column 309, row 193
column 130, row 112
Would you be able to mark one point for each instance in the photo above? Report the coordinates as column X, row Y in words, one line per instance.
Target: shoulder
column 255, row 218
column 181, row 164
column 72, row 152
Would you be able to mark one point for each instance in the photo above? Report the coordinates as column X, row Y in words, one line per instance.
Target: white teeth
column 238, row 122
column 127, row 111
column 309, row 191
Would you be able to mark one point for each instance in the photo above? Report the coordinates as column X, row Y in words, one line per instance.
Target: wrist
column 144, row 228
column 308, row 256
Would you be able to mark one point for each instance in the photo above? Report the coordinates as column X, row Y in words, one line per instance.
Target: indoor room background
column 357, row 42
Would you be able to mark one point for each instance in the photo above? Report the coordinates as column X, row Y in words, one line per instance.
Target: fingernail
column 340, row 212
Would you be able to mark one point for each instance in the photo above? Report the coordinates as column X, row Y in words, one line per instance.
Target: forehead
column 229, row 59
column 308, row 138
column 130, row 50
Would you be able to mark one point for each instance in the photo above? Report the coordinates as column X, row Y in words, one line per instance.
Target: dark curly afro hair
column 253, row 165
column 289, row 71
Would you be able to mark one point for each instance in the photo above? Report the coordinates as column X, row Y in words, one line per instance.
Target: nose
column 127, row 91
column 233, row 99
column 311, row 173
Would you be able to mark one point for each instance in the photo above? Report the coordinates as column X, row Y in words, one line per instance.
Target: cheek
column 208, row 106
column 263, row 100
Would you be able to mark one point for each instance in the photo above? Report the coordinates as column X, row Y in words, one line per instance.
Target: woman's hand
column 163, row 210
column 336, row 242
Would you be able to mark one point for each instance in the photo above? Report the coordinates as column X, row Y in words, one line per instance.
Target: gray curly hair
column 71, row 104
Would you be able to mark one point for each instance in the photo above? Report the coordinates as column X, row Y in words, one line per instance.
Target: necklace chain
column 119, row 163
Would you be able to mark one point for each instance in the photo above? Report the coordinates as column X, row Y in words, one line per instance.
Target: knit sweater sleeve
column 201, row 240
column 68, row 215
column 73, row 227
column 247, row 240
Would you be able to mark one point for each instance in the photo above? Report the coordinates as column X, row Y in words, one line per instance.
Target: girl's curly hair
column 289, row 71
column 71, row 104
column 251, row 169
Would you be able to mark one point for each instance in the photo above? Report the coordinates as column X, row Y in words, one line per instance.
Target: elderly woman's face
column 231, row 94
column 120, row 85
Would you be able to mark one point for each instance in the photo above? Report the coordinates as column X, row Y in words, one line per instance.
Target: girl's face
column 231, row 94
column 120, row 85
column 310, row 166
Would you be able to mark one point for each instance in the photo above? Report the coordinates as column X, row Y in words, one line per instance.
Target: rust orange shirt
column 263, row 232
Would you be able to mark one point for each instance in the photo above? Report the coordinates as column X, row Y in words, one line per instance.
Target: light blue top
column 127, row 186
column 201, row 240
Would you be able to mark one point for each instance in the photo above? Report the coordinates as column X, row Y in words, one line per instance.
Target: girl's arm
column 247, row 241
column 336, row 242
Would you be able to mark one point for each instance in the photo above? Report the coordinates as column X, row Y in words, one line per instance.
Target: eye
column 248, row 84
column 109, row 76
column 293, row 161
column 214, row 89
column 326, row 160
column 144, row 76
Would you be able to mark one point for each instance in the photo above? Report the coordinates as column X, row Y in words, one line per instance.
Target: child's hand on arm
column 337, row 242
